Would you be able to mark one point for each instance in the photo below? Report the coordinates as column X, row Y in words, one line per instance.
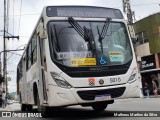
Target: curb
column 134, row 99
column 152, row 96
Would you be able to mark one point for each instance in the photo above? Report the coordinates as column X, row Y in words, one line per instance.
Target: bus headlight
column 133, row 76
column 60, row 82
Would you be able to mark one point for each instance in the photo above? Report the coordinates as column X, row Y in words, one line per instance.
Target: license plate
column 103, row 97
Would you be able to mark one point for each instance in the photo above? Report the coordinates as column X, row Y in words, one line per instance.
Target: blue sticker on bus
column 102, row 60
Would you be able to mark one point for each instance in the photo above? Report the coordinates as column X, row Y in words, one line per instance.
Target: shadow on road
column 77, row 114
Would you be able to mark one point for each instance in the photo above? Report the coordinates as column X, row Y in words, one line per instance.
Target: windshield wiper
column 78, row 28
column 82, row 32
column 103, row 32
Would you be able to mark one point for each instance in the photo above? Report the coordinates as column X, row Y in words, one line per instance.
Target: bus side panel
column 19, row 89
column 24, row 83
column 32, row 77
column 22, row 92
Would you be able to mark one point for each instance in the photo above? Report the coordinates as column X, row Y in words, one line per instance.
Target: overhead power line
column 146, row 4
column 20, row 17
column 139, row 5
column 13, row 16
column 23, row 15
column 36, row 14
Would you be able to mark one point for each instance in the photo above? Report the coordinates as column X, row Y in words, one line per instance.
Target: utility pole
column 5, row 37
column 4, row 48
column 128, row 11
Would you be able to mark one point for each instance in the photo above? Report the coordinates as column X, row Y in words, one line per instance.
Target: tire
column 41, row 109
column 23, row 107
column 29, row 107
column 99, row 107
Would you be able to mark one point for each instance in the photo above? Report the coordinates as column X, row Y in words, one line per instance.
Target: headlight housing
column 133, row 76
column 60, row 81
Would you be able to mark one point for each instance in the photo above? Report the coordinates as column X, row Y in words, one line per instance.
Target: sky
column 23, row 15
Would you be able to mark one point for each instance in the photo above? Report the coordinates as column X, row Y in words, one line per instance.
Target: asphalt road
column 121, row 108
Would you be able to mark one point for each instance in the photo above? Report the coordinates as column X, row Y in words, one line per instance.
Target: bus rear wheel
column 99, row 107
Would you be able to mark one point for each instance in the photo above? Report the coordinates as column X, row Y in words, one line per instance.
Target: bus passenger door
column 43, row 70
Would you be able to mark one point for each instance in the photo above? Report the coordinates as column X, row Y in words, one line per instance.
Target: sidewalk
column 152, row 96
column 7, row 108
column 2, row 109
column 135, row 99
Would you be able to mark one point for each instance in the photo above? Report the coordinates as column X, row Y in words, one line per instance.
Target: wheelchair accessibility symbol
column 103, row 60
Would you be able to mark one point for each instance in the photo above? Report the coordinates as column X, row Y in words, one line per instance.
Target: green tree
column 10, row 97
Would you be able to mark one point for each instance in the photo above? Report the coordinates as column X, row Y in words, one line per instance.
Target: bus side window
column 34, row 50
column 28, row 57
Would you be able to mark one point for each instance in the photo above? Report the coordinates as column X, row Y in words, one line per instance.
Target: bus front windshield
column 90, row 44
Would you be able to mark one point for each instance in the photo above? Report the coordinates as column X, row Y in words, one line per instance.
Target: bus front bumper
column 58, row 96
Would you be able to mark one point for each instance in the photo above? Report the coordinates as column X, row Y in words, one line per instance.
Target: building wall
column 151, row 24
column 143, row 50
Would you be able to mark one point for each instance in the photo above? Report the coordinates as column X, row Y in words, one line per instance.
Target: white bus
column 77, row 55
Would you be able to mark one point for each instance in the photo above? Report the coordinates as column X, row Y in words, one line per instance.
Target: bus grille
column 89, row 73
column 90, row 94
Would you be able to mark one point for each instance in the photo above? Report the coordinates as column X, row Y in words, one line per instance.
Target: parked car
column 9, row 102
column 15, row 101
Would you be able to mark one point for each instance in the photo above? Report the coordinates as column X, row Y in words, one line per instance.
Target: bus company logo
column 101, row 81
column 91, row 81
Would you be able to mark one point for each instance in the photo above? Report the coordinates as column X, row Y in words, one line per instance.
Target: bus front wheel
column 41, row 109
column 29, row 107
column 99, row 107
column 23, row 107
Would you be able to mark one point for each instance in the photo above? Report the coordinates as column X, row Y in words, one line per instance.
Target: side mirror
column 132, row 33
column 41, row 31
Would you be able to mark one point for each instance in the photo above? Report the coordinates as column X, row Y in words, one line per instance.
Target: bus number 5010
column 113, row 80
